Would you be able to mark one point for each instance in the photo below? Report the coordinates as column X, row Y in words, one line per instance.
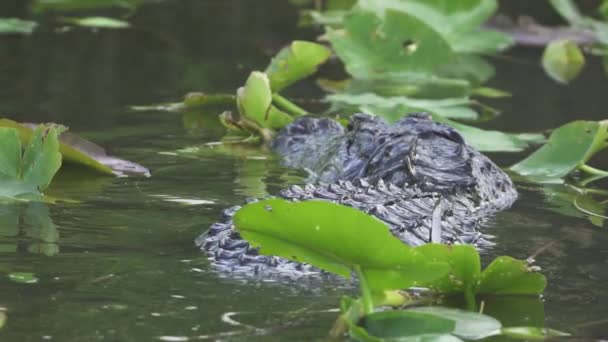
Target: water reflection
column 29, row 224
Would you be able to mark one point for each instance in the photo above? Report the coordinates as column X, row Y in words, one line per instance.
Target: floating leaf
column 98, row 22
column 78, row 150
column 508, row 276
column 468, row 325
column 299, row 60
column 15, row 25
column 79, row 5
column 449, row 107
column 254, row 101
column 430, row 324
column 418, row 86
column 458, row 22
column 23, row 277
column 370, row 46
column 406, row 323
column 569, row 147
column 531, row 333
column 569, row 200
column 307, row 232
column 563, row 60
column 492, row 141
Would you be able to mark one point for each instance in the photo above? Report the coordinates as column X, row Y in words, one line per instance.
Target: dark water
column 121, row 264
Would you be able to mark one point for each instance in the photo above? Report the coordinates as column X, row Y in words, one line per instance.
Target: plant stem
column 366, row 295
column 592, row 170
column 469, row 298
column 287, row 105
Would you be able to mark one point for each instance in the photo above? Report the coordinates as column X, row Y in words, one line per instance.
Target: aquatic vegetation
column 569, row 149
column 307, row 232
column 25, row 173
column 75, row 149
column 17, row 26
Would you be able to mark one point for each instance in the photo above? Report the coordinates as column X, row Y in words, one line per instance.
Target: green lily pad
column 570, row 200
column 370, row 46
column 75, row 149
column 98, row 22
column 468, row 325
column 297, row 61
column 569, row 148
column 394, row 107
column 458, row 22
column 307, row 232
column 406, row 323
column 16, row 25
column 493, row 141
column 78, row 5
column 508, row 276
column 23, row 277
column 563, row 60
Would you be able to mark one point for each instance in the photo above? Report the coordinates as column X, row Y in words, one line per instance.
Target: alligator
column 418, row 176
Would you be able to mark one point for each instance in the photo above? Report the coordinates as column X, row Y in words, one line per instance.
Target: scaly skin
column 417, row 176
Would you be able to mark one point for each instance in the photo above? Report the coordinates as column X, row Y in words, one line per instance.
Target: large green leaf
column 430, row 324
column 508, row 276
column 307, row 232
column 300, row 59
column 563, row 60
column 458, row 22
column 41, row 159
column 369, row 46
column 569, row 147
column 23, row 176
column 465, row 267
column 10, row 154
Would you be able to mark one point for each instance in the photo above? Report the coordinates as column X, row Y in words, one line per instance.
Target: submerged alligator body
column 417, row 176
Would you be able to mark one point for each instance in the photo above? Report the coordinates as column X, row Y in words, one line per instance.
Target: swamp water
column 121, row 264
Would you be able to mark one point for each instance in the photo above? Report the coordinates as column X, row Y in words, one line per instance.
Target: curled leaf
column 563, row 60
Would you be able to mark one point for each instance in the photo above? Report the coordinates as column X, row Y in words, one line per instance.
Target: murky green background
column 122, row 265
